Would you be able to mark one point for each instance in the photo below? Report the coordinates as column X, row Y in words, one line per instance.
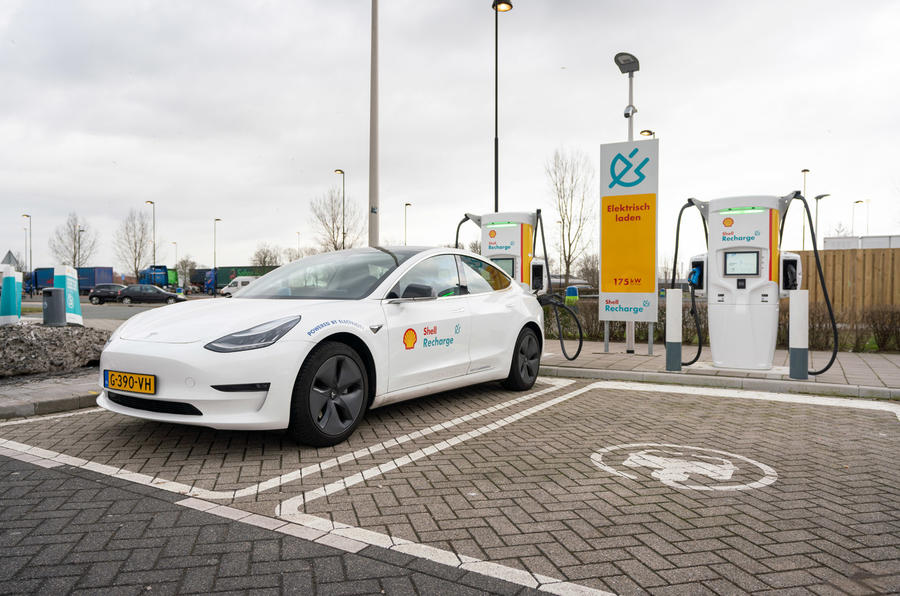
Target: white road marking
column 193, row 491
column 51, row 416
column 293, row 505
column 791, row 398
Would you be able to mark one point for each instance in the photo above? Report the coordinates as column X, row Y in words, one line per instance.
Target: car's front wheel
column 526, row 361
column 330, row 395
column 126, row 300
column 170, row 300
column 95, row 300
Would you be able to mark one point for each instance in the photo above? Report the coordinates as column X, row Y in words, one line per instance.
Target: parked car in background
column 105, row 293
column 147, row 293
column 238, row 283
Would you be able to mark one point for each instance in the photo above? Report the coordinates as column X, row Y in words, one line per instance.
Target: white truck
column 238, row 283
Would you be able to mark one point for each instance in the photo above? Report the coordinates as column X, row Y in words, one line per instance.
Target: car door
column 428, row 326
column 495, row 322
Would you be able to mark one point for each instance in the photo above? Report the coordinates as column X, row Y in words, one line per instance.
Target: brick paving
column 527, row 495
column 72, row 531
column 865, row 369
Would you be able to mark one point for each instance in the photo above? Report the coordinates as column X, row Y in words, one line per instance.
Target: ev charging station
column 742, row 276
column 508, row 240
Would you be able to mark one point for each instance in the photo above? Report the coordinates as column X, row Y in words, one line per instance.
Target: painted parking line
column 293, row 505
column 272, row 483
column 31, row 419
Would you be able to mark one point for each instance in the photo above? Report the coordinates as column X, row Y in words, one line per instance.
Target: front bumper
column 185, row 374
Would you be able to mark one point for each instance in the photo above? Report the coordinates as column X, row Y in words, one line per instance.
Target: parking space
column 610, row 486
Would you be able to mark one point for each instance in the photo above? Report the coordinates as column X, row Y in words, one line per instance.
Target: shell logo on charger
column 728, row 222
column 410, row 338
column 492, row 233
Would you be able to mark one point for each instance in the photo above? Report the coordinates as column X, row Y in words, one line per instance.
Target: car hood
column 209, row 319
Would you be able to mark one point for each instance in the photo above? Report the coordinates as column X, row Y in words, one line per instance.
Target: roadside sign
column 629, row 179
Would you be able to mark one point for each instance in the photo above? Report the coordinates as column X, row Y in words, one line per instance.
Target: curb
column 22, row 408
column 696, row 380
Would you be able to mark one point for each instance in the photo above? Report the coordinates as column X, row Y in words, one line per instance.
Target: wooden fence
column 857, row 279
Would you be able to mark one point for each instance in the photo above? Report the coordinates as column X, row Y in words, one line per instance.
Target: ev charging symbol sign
column 624, row 165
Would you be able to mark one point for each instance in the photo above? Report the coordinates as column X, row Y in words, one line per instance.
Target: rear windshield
column 343, row 275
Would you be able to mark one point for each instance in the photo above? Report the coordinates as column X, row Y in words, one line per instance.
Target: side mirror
column 418, row 291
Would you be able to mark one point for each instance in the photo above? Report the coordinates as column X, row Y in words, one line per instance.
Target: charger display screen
column 507, row 264
column 742, row 263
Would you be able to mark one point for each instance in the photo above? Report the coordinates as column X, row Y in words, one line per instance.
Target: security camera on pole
column 628, row 235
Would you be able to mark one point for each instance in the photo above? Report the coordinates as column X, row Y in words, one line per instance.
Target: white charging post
column 744, row 276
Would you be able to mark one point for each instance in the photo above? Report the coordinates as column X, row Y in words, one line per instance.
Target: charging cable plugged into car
column 509, row 241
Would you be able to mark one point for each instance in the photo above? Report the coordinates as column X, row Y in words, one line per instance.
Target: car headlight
column 254, row 338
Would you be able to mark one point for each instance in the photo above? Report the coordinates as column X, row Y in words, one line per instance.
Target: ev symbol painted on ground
column 684, row 467
column 624, row 165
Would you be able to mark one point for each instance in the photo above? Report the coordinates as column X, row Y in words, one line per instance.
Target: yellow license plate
column 124, row 381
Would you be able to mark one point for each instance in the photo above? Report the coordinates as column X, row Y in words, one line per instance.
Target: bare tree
column 475, row 246
column 589, row 269
column 292, row 254
column 571, row 179
column 841, row 229
column 133, row 242
column 185, row 267
column 74, row 242
column 336, row 229
column 266, row 255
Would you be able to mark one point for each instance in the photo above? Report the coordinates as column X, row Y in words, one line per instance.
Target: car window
column 439, row 273
column 482, row 277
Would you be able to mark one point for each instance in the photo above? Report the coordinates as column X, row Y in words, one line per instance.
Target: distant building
column 851, row 242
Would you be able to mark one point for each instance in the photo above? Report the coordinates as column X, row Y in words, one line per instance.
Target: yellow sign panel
column 628, row 243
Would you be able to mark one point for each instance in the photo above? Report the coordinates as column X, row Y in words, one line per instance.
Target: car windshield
column 343, row 275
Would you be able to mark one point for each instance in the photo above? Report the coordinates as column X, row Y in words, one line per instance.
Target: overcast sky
column 243, row 109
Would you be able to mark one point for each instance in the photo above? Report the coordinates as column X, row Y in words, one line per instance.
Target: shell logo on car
column 409, row 339
column 728, row 222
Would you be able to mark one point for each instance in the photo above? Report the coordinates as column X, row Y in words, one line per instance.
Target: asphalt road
column 110, row 310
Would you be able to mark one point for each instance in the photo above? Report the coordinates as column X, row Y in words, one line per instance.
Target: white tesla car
column 310, row 346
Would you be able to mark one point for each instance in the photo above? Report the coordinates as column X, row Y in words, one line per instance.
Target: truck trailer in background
column 158, row 275
column 88, row 278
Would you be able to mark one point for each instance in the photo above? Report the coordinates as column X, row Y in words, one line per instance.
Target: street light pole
column 816, row 228
column 405, row 206
column 498, row 6
column 215, row 270
column 30, row 242
column 154, row 228
column 298, row 245
column 176, row 253
column 343, row 211
column 629, row 64
column 77, row 246
column 804, row 171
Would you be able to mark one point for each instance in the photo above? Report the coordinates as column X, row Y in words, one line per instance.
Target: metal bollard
column 798, row 334
column 673, row 330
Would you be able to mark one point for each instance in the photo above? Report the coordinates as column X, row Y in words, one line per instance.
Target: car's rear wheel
column 526, row 361
column 95, row 300
column 126, row 300
column 330, row 395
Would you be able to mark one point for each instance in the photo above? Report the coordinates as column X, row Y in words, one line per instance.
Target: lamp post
column 498, row 6
column 405, row 207
column 804, row 171
column 25, row 254
column 30, row 242
column 628, row 64
column 298, row 245
column 648, row 133
column 816, row 227
column 343, row 209
column 154, row 228
column 176, row 253
column 77, row 246
column 853, row 217
column 215, row 271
